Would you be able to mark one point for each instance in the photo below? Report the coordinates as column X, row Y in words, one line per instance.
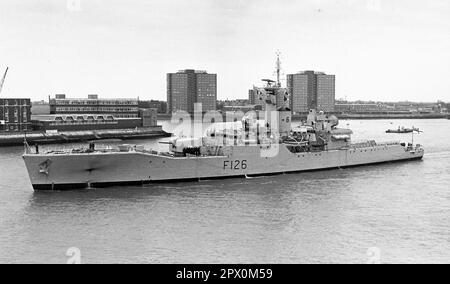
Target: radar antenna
column 269, row 82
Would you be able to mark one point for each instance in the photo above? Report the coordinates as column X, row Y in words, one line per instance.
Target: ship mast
column 278, row 66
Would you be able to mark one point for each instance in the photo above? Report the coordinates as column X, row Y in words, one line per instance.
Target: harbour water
column 400, row 211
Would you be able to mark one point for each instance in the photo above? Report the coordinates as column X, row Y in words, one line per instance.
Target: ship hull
column 76, row 171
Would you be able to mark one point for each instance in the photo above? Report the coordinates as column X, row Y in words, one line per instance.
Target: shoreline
column 398, row 116
column 166, row 117
column 42, row 138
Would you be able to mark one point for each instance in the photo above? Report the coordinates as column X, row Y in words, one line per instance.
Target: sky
column 381, row 50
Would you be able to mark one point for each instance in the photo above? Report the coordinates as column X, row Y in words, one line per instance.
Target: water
column 334, row 216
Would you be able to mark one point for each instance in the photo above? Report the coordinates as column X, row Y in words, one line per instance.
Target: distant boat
column 402, row 130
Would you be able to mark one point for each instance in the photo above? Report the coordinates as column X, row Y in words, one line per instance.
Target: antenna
column 3, row 80
column 278, row 66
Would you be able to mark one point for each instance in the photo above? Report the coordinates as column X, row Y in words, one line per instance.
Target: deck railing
column 373, row 143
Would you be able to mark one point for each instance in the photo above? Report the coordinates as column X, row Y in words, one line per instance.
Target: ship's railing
column 373, row 143
column 82, row 149
column 363, row 144
column 74, row 151
column 389, row 143
column 69, row 149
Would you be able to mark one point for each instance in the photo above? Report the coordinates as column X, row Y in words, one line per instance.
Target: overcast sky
column 379, row 49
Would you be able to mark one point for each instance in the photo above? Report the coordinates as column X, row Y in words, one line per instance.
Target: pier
column 18, row 138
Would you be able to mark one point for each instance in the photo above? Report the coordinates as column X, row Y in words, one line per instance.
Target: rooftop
column 192, row 71
column 63, row 97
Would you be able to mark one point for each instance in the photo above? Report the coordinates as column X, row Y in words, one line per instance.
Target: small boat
column 402, row 130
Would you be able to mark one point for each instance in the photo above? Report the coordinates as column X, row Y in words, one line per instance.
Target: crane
column 3, row 80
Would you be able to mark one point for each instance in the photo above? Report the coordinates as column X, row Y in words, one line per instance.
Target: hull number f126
column 235, row 165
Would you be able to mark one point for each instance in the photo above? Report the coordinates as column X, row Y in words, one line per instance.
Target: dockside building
column 15, row 115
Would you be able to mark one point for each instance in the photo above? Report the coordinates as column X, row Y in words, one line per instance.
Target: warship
column 403, row 130
column 256, row 147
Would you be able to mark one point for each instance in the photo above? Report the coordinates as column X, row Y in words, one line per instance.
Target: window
column 16, row 115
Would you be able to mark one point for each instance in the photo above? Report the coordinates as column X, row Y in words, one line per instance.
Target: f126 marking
column 235, row 165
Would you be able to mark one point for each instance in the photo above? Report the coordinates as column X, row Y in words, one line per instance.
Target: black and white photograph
column 224, row 137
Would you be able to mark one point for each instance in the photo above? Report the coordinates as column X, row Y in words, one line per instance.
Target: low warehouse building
column 82, row 122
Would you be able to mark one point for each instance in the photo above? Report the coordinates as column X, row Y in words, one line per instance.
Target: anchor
column 44, row 168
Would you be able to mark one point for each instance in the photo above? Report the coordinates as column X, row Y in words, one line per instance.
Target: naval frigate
column 255, row 148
